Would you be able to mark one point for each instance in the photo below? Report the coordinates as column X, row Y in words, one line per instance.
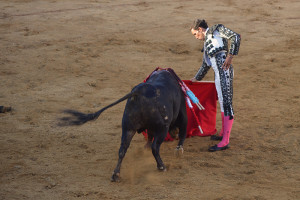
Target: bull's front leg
column 126, row 139
column 182, row 125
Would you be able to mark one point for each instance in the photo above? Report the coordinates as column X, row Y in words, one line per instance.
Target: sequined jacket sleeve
column 202, row 71
column 234, row 38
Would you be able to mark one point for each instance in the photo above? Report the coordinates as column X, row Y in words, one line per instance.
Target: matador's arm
column 233, row 37
column 202, row 71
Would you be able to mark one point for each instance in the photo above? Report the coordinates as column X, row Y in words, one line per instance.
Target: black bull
column 158, row 106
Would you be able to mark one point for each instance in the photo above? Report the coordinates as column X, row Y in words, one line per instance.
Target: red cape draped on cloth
column 207, row 95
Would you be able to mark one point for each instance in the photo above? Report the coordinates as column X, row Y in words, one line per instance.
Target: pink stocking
column 227, row 129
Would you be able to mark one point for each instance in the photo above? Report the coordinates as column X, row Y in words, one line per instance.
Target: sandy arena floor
column 83, row 55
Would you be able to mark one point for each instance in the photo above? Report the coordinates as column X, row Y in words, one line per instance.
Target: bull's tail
column 78, row 118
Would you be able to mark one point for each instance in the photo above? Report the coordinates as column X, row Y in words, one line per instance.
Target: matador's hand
column 193, row 79
column 227, row 62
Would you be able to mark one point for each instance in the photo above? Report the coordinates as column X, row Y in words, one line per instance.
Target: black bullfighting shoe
column 216, row 137
column 216, row 148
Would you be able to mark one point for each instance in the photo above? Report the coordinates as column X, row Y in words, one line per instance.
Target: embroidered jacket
column 216, row 41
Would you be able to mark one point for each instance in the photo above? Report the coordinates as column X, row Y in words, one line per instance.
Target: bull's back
column 160, row 90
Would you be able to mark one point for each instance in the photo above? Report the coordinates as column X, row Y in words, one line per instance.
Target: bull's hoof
column 162, row 168
column 115, row 177
column 179, row 151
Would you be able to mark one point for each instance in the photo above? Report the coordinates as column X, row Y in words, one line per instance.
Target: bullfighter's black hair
column 200, row 23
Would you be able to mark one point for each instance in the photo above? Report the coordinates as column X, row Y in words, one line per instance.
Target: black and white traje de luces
column 215, row 52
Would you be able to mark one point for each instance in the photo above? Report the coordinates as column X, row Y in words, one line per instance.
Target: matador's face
column 199, row 34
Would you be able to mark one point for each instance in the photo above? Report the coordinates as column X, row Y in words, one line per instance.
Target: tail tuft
column 77, row 118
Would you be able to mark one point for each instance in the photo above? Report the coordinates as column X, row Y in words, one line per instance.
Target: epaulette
column 212, row 29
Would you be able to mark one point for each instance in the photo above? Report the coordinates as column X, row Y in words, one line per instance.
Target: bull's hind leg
column 126, row 139
column 158, row 140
